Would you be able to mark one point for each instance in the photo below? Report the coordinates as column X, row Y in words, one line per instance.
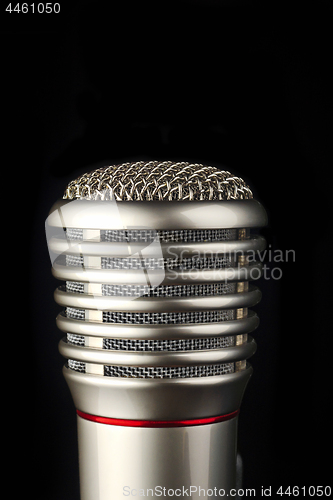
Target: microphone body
column 157, row 324
column 193, row 461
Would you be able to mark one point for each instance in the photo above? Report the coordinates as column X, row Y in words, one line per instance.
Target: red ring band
column 156, row 423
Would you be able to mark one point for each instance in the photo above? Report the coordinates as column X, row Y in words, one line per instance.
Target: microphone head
column 157, row 181
column 156, row 293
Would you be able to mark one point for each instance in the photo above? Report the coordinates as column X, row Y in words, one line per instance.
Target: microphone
column 156, row 258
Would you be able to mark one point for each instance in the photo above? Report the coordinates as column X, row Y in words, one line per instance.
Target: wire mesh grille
column 74, row 339
column 169, row 317
column 77, row 366
column 154, row 180
column 168, row 236
column 163, row 236
column 151, row 263
column 74, row 233
column 170, row 290
column 169, row 371
column 159, row 345
column 204, row 289
column 74, row 260
column 159, row 371
column 169, row 345
column 157, row 318
column 75, row 313
column 74, row 287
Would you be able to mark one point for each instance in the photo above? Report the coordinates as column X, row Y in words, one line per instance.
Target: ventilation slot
column 159, row 345
column 212, row 289
column 169, row 371
column 169, row 317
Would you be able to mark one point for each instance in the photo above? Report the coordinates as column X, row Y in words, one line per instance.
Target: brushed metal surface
column 91, row 214
column 186, row 249
column 157, row 399
column 115, row 460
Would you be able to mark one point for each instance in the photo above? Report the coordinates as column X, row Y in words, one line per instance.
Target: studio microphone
column 156, row 258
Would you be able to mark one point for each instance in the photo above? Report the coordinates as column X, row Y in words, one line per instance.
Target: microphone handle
column 118, row 462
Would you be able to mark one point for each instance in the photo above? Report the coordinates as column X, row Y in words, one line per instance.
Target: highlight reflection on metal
column 143, row 458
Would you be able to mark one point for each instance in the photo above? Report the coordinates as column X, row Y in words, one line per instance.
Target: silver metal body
column 113, row 457
column 118, row 462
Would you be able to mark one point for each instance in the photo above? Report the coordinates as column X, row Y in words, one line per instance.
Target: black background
column 239, row 85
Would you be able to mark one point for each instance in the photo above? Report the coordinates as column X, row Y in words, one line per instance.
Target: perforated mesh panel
column 77, row 366
column 158, row 317
column 74, row 260
column 163, row 236
column 169, row 371
column 74, row 233
column 169, row 290
column 74, row 313
column 168, row 236
column 74, row 287
column 158, row 291
column 159, row 345
column 169, row 345
column 151, row 263
column 159, row 371
column 74, row 339
column 169, row 317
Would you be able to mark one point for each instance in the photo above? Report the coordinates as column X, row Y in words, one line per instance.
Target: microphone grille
column 157, row 181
